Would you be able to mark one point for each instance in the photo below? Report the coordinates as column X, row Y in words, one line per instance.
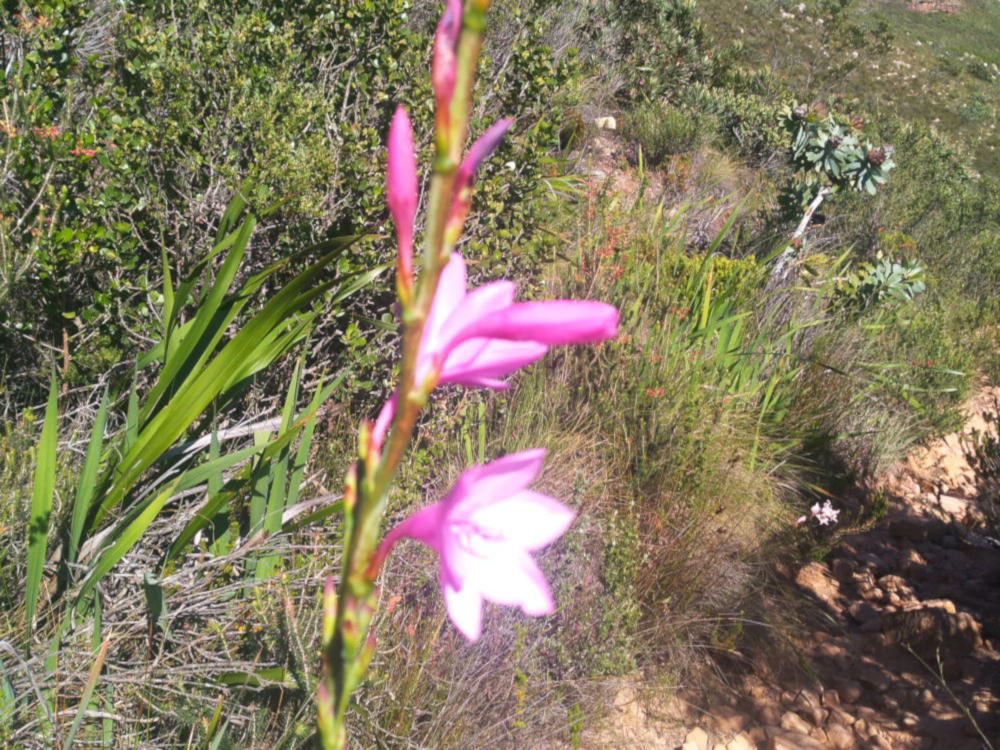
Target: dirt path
column 904, row 626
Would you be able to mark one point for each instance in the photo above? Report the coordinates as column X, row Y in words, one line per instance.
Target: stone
column 769, row 714
column 741, row 742
column 830, row 698
column 872, row 625
column 727, row 720
column 840, row 737
column 849, row 691
column 792, row 722
column 697, row 739
column 932, row 627
column 843, row 567
column 718, row 746
column 839, row 716
column 816, row 579
column 606, row 123
column 781, row 739
column 911, row 529
column 861, row 612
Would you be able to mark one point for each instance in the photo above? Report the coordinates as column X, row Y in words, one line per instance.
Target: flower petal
column 527, row 519
column 549, row 322
column 449, row 293
column 478, row 359
column 481, row 301
column 482, row 485
column 424, row 526
column 465, row 608
column 510, row 576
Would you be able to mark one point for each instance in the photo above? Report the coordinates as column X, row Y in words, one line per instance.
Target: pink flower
column 475, row 338
column 484, row 531
column 401, row 189
column 443, row 62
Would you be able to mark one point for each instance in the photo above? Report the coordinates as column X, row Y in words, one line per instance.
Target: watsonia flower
column 484, row 530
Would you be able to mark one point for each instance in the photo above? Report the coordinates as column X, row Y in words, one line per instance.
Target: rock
column 912, row 529
column 873, row 625
column 727, row 721
column 769, row 714
column 718, row 746
column 606, row 123
column 849, row 691
column 792, row 722
column 843, row 568
column 741, row 742
column 872, row 560
column 861, row 728
column 839, row 716
column 861, row 612
column 873, row 675
column 781, row 739
column 840, row 737
column 949, row 541
column 946, row 604
column 931, row 627
column 697, row 739
column 816, row 579
column 830, row 698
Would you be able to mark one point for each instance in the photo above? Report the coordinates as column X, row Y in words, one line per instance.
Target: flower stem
column 347, row 651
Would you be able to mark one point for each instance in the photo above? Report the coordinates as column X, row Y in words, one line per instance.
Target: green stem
column 346, row 654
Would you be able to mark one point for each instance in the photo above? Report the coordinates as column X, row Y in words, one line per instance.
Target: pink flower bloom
column 443, row 62
column 475, row 338
column 484, row 531
column 401, row 189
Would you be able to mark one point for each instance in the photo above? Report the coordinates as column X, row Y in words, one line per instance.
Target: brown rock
column 781, row 739
column 816, row 579
column 792, row 722
column 928, row 629
column 697, row 739
column 769, row 714
column 830, row 698
column 840, row 737
column 741, row 742
column 839, row 716
column 727, row 720
column 861, row 612
column 848, row 690
column 843, row 568
column 912, row 529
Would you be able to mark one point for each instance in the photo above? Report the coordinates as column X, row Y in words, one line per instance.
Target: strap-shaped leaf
column 41, row 504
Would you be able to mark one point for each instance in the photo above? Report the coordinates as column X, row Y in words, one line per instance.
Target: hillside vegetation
column 799, row 232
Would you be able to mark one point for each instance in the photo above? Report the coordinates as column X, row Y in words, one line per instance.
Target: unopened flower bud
column 401, row 190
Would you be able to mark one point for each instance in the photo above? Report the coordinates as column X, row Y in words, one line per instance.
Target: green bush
column 127, row 128
column 663, row 130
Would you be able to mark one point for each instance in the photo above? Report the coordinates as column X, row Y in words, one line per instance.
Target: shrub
column 663, row 130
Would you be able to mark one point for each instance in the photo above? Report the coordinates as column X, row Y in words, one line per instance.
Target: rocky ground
column 893, row 639
column 905, row 628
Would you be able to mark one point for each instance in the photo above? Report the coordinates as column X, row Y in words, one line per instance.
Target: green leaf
column 88, row 478
column 41, row 504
